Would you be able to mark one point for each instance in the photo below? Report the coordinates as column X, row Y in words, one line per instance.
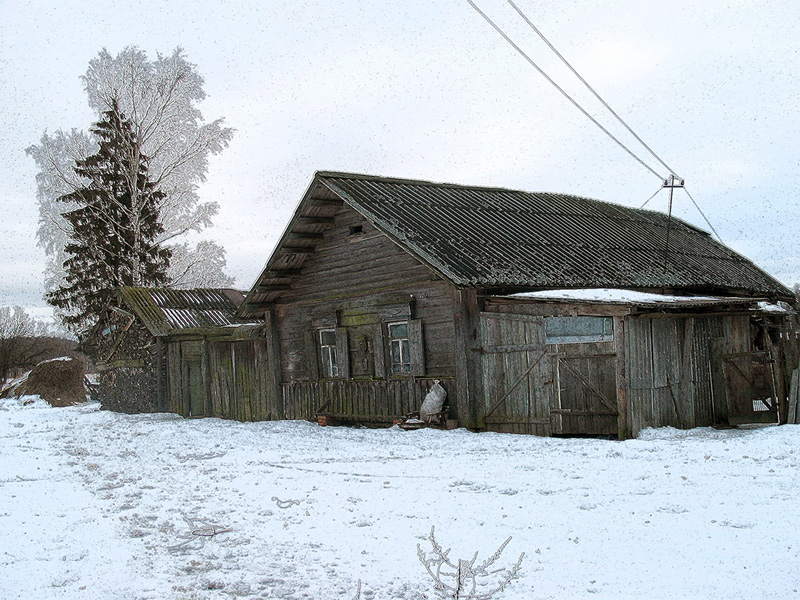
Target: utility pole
column 671, row 183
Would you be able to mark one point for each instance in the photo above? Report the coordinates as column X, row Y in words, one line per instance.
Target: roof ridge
column 425, row 182
column 478, row 188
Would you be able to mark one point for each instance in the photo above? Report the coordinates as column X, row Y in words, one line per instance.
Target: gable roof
column 508, row 239
column 164, row 311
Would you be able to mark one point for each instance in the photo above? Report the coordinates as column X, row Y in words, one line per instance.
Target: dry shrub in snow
column 463, row 579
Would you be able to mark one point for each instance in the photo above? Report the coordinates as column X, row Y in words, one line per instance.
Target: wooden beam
column 296, row 250
column 516, row 421
column 273, row 288
column 306, row 235
column 583, row 413
column 508, row 349
column 282, row 272
column 469, row 371
column 624, row 425
column 326, row 201
column 317, row 220
column 361, row 418
column 272, row 387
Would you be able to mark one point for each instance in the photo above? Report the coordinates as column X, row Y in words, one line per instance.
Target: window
column 399, row 348
column 576, row 330
column 327, row 348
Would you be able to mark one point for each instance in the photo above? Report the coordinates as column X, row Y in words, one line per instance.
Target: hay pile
column 58, row 381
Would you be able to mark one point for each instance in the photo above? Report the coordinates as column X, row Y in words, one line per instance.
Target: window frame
column 606, row 333
column 405, row 363
column 328, row 359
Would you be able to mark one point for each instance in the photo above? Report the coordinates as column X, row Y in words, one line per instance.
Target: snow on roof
column 620, row 296
column 59, row 358
column 780, row 307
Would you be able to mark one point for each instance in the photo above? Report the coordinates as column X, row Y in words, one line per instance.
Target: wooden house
column 380, row 286
column 181, row 351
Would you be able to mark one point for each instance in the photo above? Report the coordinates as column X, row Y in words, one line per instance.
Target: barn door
column 750, row 389
column 516, row 374
column 587, row 395
column 197, row 395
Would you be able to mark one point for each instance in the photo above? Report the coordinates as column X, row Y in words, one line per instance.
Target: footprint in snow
column 736, row 525
column 673, row 510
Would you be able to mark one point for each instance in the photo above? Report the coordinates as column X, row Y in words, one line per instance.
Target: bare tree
column 159, row 97
column 20, row 345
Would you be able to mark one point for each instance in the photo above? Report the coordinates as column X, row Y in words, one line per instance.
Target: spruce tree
column 114, row 227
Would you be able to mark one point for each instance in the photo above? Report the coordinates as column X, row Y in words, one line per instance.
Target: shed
column 182, row 351
column 380, row 286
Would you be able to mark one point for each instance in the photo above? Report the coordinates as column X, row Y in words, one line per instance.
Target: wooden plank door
column 197, row 395
column 587, row 394
column 749, row 385
column 516, row 374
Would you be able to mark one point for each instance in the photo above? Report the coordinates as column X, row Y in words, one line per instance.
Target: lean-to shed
column 379, row 286
column 182, row 351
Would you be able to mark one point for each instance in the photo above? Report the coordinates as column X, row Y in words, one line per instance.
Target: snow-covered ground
column 101, row 505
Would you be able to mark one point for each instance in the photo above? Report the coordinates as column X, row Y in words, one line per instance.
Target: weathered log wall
column 356, row 282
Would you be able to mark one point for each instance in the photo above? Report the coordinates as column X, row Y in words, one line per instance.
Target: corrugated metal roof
column 165, row 311
column 505, row 239
column 489, row 237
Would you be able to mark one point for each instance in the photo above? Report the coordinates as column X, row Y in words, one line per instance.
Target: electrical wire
column 560, row 89
column 590, row 88
column 591, row 118
column 651, row 197
column 703, row 214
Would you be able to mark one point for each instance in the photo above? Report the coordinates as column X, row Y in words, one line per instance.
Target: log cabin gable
column 323, row 224
column 346, row 306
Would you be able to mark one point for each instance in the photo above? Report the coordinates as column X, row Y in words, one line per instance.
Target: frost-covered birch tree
column 159, row 98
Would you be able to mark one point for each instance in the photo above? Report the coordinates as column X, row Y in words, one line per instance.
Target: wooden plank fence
column 368, row 401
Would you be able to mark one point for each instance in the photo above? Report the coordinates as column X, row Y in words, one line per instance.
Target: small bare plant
column 464, row 579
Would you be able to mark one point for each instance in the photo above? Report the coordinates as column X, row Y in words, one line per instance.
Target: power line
column 651, row 197
column 564, row 93
column 666, row 183
column 704, row 216
column 591, row 89
column 696, row 205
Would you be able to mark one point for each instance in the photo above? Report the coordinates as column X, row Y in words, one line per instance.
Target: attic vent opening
column 356, row 229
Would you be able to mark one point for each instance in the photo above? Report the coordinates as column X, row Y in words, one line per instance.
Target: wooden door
column 517, row 374
column 196, row 392
column 749, row 385
column 587, row 394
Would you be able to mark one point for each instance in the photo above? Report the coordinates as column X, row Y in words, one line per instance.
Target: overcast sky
column 427, row 90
